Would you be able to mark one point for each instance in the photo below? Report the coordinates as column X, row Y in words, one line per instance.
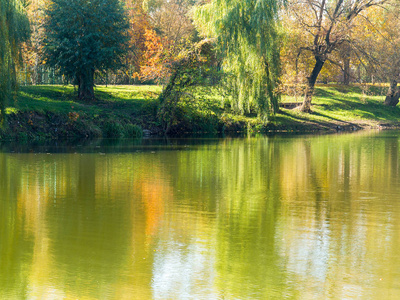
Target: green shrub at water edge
column 87, row 128
column 22, row 137
column 133, row 131
column 112, row 129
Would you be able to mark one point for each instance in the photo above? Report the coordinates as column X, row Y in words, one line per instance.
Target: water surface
column 315, row 217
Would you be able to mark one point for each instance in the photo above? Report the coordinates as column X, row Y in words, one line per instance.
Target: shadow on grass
column 323, row 93
column 331, row 118
column 298, row 120
column 62, row 99
column 56, row 92
column 126, row 104
column 369, row 109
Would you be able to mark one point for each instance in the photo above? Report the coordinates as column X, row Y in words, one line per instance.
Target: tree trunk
column 35, row 77
column 346, row 64
column 85, row 82
column 270, row 89
column 346, row 71
column 306, row 106
column 393, row 94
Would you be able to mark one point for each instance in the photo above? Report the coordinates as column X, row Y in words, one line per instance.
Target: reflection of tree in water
column 13, row 240
column 293, row 213
column 335, row 225
column 69, row 229
column 88, row 246
column 104, row 226
column 247, row 260
column 256, row 218
column 227, row 193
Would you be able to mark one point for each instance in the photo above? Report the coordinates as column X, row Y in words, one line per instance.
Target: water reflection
column 257, row 218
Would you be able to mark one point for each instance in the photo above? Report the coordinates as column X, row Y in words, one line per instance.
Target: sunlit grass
column 112, row 99
column 338, row 103
column 332, row 104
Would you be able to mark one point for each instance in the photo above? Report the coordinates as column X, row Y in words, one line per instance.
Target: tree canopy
column 326, row 25
column 248, row 37
column 14, row 29
column 83, row 36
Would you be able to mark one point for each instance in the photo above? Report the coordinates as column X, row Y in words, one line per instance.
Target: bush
column 22, row 137
column 112, row 129
column 133, row 131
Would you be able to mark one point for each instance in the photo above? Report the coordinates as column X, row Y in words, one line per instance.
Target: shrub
column 133, row 131
column 112, row 129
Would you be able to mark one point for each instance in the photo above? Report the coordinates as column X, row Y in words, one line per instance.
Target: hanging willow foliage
column 14, row 29
column 248, row 38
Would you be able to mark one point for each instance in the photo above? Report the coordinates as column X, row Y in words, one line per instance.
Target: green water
column 246, row 218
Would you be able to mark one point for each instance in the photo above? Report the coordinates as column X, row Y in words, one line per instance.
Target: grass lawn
column 125, row 100
column 334, row 107
column 345, row 105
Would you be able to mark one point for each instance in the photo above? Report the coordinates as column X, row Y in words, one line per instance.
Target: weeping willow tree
column 248, row 37
column 14, row 29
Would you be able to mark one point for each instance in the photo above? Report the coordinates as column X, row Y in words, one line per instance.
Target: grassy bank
column 52, row 112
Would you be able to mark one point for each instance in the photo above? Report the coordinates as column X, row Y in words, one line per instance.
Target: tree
column 14, row 29
column 32, row 50
column 139, row 24
column 328, row 26
column 248, row 38
column 171, row 32
column 378, row 47
column 156, row 58
column 191, row 68
column 85, row 36
column 171, row 19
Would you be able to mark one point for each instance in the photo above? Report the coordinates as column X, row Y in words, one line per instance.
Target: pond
column 306, row 217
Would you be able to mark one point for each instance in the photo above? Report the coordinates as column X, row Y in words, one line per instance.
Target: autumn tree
column 171, row 19
column 139, row 24
column 85, row 36
column 378, row 47
column 32, row 49
column 156, row 58
column 247, row 35
column 296, row 65
column 327, row 26
column 170, row 32
column 14, row 29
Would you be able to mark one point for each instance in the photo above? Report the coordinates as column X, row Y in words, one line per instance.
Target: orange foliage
column 156, row 38
column 154, row 57
column 147, row 57
column 139, row 24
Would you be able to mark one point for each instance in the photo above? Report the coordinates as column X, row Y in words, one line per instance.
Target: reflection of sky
column 308, row 253
column 330, row 258
column 44, row 293
column 183, row 271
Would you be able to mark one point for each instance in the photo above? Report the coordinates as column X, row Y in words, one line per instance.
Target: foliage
column 53, row 112
column 133, row 131
column 326, row 26
column 112, row 129
column 193, row 68
column 155, row 58
column 378, row 47
column 248, row 37
column 14, row 29
column 296, row 65
column 32, row 49
column 139, row 24
column 84, row 36
column 171, row 19
column 171, row 32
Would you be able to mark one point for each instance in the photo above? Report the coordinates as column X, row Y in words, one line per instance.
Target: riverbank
column 52, row 112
